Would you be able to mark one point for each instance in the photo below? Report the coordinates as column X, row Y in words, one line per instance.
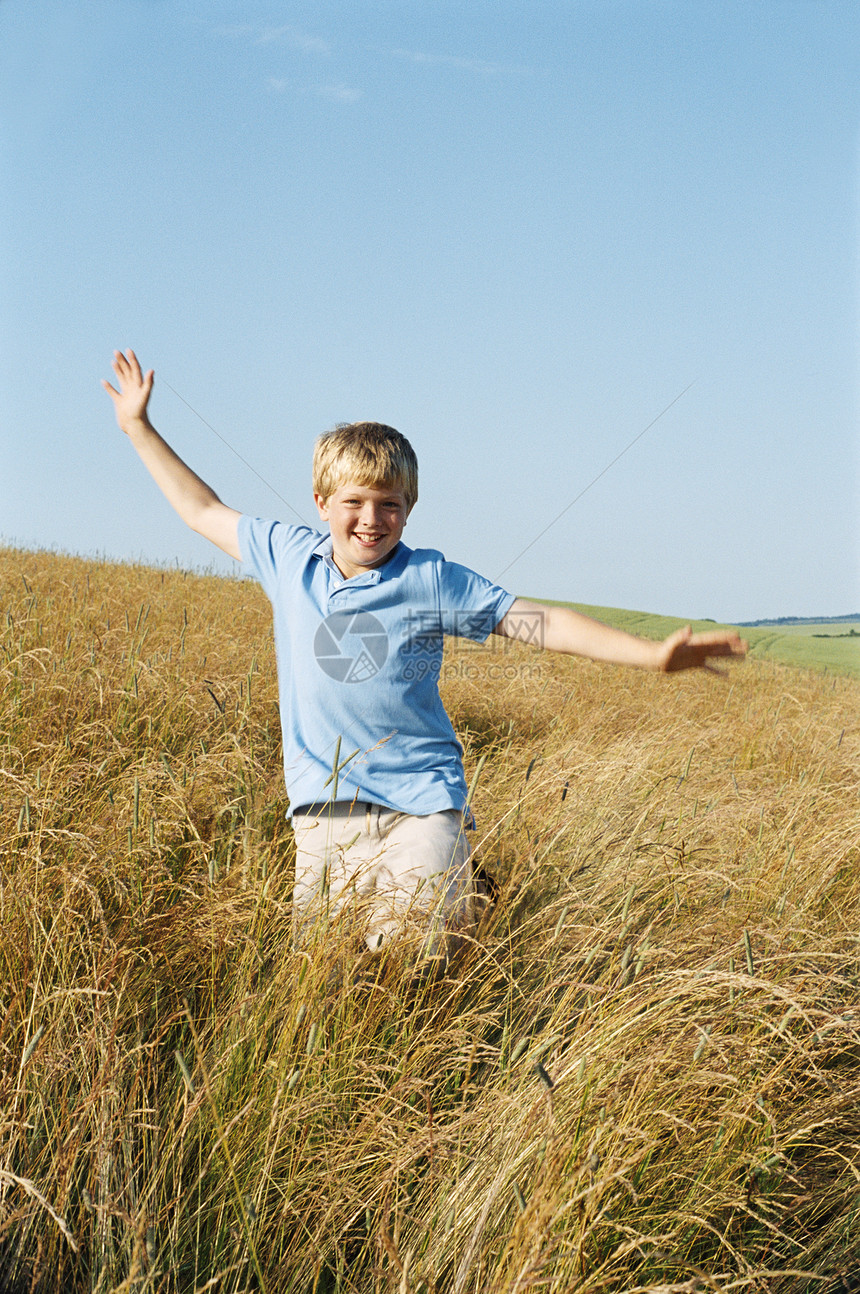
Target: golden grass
column 644, row 1074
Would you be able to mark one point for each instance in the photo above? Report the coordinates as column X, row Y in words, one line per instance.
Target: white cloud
column 334, row 93
column 478, row 66
column 295, row 39
column 338, row 93
column 285, row 34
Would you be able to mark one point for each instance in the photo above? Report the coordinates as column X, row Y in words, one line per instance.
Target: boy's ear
column 322, row 505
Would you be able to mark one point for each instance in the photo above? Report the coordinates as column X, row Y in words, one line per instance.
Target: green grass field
column 828, row 647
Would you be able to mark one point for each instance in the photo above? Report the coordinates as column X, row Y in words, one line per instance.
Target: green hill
column 829, row 646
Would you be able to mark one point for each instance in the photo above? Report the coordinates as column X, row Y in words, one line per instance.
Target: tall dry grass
column 643, row 1075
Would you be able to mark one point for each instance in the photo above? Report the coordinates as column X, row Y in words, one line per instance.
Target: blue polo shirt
column 359, row 661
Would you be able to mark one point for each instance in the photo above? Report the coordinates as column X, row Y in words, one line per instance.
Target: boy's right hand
column 131, row 399
column 196, row 502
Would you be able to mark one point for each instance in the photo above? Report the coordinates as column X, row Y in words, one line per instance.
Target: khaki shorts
column 389, row 873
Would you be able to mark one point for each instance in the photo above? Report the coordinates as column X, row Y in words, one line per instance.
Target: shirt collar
column 392, row 567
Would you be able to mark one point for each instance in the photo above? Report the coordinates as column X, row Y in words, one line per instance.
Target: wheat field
column 642, row 1075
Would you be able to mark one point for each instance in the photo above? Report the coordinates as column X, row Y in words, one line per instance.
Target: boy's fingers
column 685, row 650
column 720, row 644
column 679, row 636
column 127, row 369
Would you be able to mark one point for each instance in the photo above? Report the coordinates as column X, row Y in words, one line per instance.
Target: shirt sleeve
column 267, row 545
column 471, row 605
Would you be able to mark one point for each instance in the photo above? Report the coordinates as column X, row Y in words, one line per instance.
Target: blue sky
column 515, row 231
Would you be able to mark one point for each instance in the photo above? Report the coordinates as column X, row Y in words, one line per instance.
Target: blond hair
column 365, row 453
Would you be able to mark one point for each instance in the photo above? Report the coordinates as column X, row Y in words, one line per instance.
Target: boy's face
column 366, row 523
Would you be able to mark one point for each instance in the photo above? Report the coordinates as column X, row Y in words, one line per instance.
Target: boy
column 373, row 769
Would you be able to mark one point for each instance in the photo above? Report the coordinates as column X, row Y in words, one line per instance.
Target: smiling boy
column 372, row 765
column 365, row 524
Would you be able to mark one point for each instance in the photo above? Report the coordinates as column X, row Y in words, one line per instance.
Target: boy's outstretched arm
column 564, row 630
column 197, row 504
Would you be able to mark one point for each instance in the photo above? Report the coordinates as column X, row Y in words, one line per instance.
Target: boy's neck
column 349, row 572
